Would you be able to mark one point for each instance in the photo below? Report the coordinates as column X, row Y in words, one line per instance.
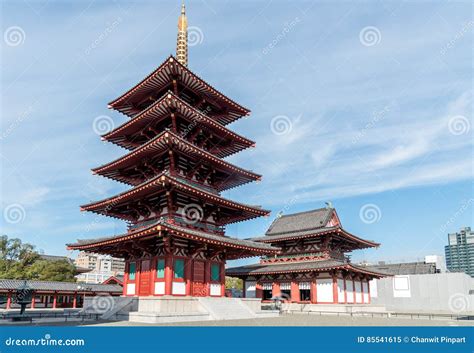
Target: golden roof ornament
column 182, row 42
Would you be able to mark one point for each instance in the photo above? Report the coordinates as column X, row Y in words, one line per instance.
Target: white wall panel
column 324, row 290
column 159, row 287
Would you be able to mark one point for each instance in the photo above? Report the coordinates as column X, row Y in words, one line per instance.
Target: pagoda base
column 168, row 309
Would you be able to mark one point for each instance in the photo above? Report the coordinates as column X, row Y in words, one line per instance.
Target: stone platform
column 186, row 309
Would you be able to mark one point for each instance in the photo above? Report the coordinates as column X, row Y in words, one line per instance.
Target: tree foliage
column 233, row 283
column 20, row 260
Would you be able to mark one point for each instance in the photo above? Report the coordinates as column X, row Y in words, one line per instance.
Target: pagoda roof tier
column 300, row 267
column 162, row 183
column 161, row 109
column 235, row 248
column 335, row 231
column 160, row 144
column 162, row 77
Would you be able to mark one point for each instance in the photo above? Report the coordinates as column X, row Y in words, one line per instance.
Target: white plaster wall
column 159, row 287
column 130, row 288
column 324, row 290
column 179, row 288
column 215, row 289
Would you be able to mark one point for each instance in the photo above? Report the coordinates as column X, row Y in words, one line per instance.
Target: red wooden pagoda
column 176, row 137
column 312, row 266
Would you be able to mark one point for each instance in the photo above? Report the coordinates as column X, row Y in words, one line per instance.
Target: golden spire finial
column 182, row 43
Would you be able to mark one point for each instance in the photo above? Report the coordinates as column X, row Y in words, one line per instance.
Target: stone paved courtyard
column 311, row 320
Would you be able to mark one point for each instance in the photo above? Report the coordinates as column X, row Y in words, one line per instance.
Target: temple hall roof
column 298, row 267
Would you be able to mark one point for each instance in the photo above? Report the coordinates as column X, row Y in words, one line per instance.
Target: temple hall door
column 145, row 278
column 199, row 285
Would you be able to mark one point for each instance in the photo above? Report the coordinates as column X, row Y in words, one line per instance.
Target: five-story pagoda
column 177, row 139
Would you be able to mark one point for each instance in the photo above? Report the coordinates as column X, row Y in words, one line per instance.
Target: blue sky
column 368, row 105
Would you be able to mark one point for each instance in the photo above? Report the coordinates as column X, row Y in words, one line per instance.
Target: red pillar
column 314, row 292
column 334, row 289
column 276, row 289
column 222, row 276
column 55, row 297
column 188, row 265
column 243, row 288
column 295, row 292
column 9, row 300
column 207, row 277
column 33, row 298
column 74, row 301
column 258, row 290
column 168, row 274
column 368, row 291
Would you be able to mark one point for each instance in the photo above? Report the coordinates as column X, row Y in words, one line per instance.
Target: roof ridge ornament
column 182, row 41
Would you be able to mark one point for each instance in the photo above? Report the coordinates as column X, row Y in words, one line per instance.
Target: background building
column 101, row 267
column 460, row 251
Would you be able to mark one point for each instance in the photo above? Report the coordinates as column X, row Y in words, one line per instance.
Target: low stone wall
column 433, row 293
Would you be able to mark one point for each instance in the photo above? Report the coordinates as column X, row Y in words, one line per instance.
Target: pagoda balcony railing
column 196, row 184
column 198, row 225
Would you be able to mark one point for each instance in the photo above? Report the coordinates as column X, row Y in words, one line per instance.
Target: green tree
column 44, row 270
column 15, row 257
column 235, row 283
column 19, row 260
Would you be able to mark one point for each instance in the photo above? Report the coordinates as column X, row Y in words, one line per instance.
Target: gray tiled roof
column 204, row 235
column 283, row 267
column 56, row 258
column 308, row 220
column 304, row 266
column 13, row 284
column 296, row 233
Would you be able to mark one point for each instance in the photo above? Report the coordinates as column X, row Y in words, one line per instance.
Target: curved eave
column 164, row 178
column 122, row 100
column 348, row 267
column 164, row 138
column 332, row 230
column 171, row 100
column 155, row 230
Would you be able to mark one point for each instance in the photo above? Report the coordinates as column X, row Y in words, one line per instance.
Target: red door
column 199, row 285
column 145, row 280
